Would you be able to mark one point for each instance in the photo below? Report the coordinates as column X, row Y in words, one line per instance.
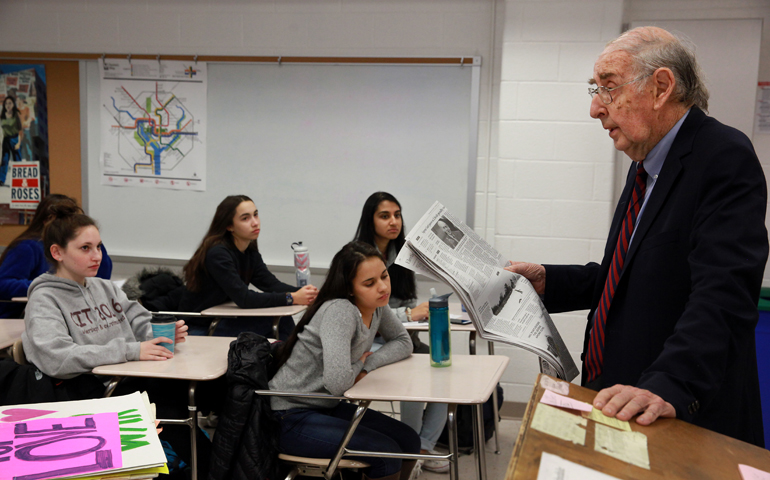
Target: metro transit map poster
column 153, row 124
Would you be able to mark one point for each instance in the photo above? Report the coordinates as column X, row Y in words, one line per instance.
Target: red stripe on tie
column 595, row 354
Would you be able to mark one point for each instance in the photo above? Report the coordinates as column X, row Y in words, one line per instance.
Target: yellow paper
column 560, row 424
column 630, row 447
column 598, row 416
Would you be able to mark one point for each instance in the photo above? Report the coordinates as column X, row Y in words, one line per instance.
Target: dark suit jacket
column 682, row 321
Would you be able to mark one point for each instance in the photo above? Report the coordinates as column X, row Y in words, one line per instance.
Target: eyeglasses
column 604, row 92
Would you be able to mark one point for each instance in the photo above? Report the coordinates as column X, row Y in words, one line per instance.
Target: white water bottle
column 301, row 263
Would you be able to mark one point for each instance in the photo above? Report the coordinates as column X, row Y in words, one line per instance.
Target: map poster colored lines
column 153, row 124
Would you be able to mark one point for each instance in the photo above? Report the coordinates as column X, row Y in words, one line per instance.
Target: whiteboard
column 308, row 143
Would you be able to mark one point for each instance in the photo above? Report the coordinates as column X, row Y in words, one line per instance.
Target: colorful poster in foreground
column 24, row 134
column 57, row 447
column 153, row 124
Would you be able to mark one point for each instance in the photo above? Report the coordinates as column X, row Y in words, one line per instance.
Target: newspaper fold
column 503, row 306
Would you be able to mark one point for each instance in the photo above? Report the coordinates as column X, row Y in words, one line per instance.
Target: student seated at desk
column 75, row 322
column 24, row 260
column 328, row 352
column 381, row 226
column 226, row 261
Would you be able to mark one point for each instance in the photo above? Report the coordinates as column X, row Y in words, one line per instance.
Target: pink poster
column 59, row 447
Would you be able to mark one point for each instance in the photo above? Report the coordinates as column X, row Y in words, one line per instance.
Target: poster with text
column 24, row 133
column 153, row 124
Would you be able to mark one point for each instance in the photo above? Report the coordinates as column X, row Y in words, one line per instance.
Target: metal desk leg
column 213, row 326
column 357, row 416
column 276, row 322
column 454, row 449
column 193, row 419
column 495, row 412
column 478, row 440
column 114, row 381
column 472, row 343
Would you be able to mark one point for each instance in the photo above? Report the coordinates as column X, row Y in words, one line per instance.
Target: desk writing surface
column 677, row 450
column 198, row 358
column 230, row 309
column 454, row 309
column 469, row 380
column 10, row 331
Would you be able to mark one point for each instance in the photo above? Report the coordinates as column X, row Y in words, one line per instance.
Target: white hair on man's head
column 652, row 48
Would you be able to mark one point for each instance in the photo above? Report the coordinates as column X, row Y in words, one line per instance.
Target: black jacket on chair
column 246, row 443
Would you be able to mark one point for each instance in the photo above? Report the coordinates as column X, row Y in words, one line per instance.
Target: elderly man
column 673, row 303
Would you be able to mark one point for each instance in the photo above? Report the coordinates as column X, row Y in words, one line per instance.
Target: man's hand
column 533, row 272
column 625, row 401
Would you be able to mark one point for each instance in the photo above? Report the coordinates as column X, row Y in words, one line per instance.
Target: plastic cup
column 164, row 326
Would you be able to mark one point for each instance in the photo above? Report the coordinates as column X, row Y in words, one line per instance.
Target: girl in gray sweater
column 328, row 352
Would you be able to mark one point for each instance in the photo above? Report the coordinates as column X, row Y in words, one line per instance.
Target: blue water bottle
column 438, row 331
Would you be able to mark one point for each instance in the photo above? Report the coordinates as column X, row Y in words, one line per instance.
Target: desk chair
column 307, row 466
column 17, row 352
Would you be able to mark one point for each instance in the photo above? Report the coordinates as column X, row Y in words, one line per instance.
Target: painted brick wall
column 553, row 198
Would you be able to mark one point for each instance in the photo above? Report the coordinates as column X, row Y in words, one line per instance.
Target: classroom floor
column 496, row 464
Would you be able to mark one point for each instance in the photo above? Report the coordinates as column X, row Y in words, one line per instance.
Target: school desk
column 10, row 331
column 456, row 310
column 230, row 309
column 470, row 380
column 196, row 360
column 677, row 449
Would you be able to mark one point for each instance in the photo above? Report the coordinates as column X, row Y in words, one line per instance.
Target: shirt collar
column 653, row 163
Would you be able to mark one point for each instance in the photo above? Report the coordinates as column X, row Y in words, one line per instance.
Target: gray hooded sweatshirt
column 70, row 329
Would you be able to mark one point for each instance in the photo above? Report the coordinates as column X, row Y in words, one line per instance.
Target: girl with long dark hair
column 328, row 352
column 381, row 225
column 23, row 259
column 224, row 265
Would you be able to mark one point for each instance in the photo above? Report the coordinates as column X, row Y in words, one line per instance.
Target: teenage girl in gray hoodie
column 75, row 321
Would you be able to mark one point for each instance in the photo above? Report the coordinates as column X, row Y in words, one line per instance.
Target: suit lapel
column 672, row 167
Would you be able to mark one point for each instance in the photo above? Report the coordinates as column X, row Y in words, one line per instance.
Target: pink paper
column 751, row 473
column 57, row 447
column 557, row 400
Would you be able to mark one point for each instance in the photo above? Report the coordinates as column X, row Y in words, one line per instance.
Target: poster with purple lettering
column 60, row 447
column 138, row 448
column 24, row 168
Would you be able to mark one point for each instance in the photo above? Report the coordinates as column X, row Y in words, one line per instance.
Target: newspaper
column 503, row 306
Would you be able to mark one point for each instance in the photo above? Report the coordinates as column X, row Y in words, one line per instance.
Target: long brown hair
column 338, row 284
column 218, row 233
column 43, row 213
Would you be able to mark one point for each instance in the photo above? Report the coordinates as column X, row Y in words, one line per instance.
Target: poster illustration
column 153, row 124
column 24, row 131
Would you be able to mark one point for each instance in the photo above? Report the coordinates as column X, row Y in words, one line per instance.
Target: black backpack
column 465, row 422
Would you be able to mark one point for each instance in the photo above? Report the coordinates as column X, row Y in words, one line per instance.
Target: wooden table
column 10, row 331
column 677, row 450
column 196, row 359
column 469, row 381
column 230, row 309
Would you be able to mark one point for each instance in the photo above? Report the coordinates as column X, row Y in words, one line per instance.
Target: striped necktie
column 595, row 354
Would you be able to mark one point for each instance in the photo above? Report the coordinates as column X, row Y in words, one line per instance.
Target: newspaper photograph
column 502, row 305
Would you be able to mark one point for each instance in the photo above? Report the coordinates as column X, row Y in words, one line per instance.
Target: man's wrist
column 289, row 299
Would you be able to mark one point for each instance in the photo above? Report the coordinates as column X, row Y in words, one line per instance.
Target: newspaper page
column 503, row 306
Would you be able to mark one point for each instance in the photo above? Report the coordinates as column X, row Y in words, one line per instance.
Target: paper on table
column 565, row 402
column 560, row 424
column 557, row 468
column 751, row 473
column 556, row 386
column 630, row 447
column 598, row 416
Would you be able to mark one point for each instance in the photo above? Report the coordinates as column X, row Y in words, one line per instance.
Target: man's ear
column 663, row 84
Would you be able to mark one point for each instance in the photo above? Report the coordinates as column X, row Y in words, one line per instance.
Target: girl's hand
column 181, row 331
column 364, row 356
column 360, row 375
column 420, row 312
column 305, row 295
column 150, row 350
